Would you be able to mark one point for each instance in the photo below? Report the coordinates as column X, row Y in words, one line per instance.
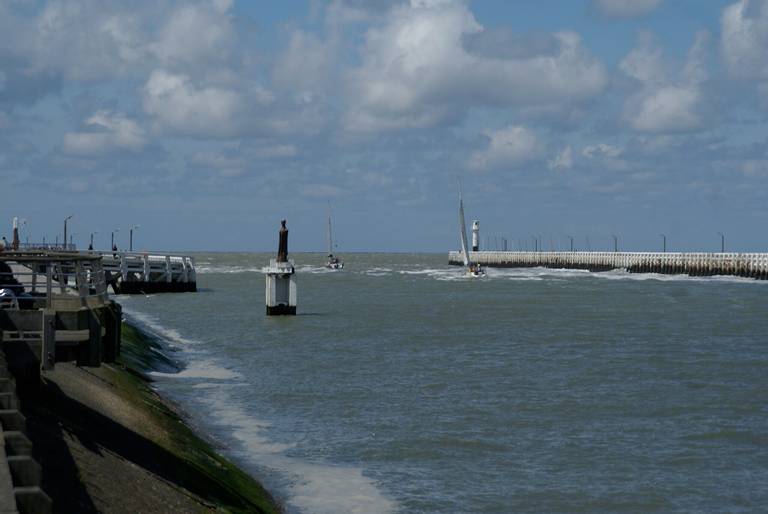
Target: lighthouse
column 475, row 236
column 281, row 280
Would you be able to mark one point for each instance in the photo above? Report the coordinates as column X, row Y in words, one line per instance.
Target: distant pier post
column 281, row 280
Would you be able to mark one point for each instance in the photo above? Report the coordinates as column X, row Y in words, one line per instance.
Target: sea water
column 404, row 386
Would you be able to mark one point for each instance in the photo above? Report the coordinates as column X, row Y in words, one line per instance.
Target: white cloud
column 668, row 109
column 107, row 133
column 306, row 64
column 604, row 156
column 744, row 42
column 416, row 71
column 181, row 106
column 744, row 39
column 600, row 151
column 626, row 8
column 508, row 148
column 563, row 160
column 665, row 102
column 645, row 62
column 90, row 40
column 83, row 40
column 196, row 34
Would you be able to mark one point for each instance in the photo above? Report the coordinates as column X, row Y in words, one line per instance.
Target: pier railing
column 48, row 279
column 69, row 247
column 54, row 307
column 753, row 265
column 147, row 272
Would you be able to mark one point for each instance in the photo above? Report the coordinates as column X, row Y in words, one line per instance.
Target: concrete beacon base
column 281, row 310
column 280, row 288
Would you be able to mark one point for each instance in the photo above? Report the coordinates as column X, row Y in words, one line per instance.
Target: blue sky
column 206, row 122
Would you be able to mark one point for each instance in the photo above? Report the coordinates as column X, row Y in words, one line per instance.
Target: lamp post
column 615, row 243
column 130, row 237
column 664, row 243
column 571, row 238
column 65, row 229
column 113, row 238
column 722, row 242
column 90, row 247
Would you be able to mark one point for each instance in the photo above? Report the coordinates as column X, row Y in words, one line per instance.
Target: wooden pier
column 143, row 272
column 750, row 265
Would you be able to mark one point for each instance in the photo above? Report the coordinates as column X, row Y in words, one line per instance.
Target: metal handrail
column 48, row 246
column 43, row 277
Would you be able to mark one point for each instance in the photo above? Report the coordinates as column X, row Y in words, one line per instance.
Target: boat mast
column 463, row 230
column 330, row 233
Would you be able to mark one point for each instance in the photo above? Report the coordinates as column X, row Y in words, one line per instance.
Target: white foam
column 315, row 269
column 314, row 488
column 377, row 272
column 206, row 369
column 452, row 273
column 539, row 274
column 196, row 368
column 228, row 269
column 625, row 275
column 171, row 335
column 330, row 490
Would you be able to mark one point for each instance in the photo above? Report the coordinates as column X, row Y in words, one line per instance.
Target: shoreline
column 107, row 442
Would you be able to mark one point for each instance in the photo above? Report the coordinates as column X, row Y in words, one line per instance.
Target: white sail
column 463, row 230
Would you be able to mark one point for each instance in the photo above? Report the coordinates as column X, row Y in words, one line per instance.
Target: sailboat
column 333, row 262
column 474, row 270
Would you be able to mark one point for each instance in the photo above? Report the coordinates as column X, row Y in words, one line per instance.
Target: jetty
column 148, row 272
column 695, row 264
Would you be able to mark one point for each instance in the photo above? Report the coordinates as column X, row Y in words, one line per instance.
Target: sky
column 206, row 122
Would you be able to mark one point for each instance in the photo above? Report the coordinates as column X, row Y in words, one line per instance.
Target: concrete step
column 17, row 443
column 32, row 500
column 9, row 401
column 7, row 385
column 25, row 471
column 12, row 419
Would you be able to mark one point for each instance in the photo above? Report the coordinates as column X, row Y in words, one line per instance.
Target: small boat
column 474, row 270
column 334, row 262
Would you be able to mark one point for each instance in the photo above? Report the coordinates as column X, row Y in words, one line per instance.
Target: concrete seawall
column 752, row 265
